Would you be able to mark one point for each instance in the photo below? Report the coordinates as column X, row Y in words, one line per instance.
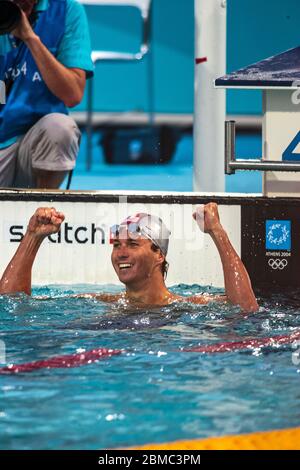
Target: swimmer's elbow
column 246, row 306
column 15, row 292
column 249, row 307
column 254, row 307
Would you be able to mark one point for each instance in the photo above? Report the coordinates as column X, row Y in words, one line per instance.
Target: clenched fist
column 45, row 221
column 207, row 217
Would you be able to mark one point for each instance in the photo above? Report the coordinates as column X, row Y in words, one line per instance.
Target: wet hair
column 165, row 264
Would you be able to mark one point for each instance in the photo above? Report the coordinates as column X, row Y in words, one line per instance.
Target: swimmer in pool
column 140, row 246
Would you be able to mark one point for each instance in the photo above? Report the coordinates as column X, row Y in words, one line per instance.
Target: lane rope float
column 94, row 355
column 246, row 344
column 64, row 361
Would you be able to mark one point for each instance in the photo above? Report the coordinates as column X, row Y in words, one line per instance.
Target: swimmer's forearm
column 237, row 282
column 17, row 276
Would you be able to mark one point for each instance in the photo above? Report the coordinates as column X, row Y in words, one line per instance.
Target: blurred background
column 144, row 105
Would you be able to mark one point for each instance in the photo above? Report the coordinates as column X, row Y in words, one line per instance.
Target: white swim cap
column 150, row 226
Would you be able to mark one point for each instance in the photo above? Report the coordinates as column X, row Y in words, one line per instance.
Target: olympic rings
column 277, row 263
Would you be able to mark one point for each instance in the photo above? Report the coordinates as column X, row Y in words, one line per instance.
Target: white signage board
column 80, row 253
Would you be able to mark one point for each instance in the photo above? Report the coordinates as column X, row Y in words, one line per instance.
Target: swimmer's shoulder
column 102, row 297
column 97, row 296
column 201, row 299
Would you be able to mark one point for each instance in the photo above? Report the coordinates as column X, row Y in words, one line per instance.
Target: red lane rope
column 247, row 343
column 66, row 360
column 88, row 357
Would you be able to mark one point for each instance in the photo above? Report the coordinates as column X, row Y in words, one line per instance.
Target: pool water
column 153, row 391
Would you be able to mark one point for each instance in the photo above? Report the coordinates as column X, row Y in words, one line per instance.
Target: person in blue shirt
column 44, row 64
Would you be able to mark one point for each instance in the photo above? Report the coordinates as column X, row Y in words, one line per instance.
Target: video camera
column 10, row 15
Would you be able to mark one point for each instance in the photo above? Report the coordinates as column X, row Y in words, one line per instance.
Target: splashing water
column 152, row 391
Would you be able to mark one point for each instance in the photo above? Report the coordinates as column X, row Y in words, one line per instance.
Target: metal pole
column 89, row 125
column 233, row 163
column 148, row 48
column 210, row 103
column 266, row 165
column 229, row 146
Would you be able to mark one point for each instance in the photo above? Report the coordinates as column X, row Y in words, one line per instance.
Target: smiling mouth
column 124, row 266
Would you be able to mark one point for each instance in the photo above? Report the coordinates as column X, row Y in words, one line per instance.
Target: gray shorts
column 51, row 144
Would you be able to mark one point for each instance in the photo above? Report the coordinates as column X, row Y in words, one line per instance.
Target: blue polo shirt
column 75, row 47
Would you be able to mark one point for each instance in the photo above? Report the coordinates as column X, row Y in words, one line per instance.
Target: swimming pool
column 153, row 391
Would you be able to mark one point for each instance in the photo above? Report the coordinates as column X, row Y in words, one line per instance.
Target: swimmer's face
column 133, row 259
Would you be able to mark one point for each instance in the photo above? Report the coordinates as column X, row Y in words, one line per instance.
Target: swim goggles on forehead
column 125, row 230
column 144, row 225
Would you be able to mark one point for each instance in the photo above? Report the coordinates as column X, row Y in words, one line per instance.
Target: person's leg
column 47, row 152
column 8, row 159
column 48, row 179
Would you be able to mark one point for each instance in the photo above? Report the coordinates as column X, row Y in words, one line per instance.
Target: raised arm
column 17, row 276
column 65, row 83
column 237, row 282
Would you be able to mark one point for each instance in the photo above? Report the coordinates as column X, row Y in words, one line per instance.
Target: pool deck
column 174, row 176
column 287, row 439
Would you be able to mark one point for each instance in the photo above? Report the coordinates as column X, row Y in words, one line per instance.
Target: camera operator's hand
column 24, row 30
column 26, row 5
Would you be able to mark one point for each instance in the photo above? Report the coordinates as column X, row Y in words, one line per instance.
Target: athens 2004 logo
column 278, row 235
